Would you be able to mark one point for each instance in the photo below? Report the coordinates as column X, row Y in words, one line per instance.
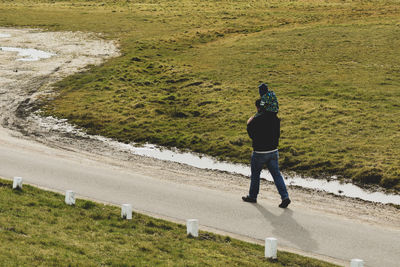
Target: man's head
column 263, row 89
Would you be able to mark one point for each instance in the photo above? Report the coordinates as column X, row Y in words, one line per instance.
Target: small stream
column 205, row 162
column 333, row 186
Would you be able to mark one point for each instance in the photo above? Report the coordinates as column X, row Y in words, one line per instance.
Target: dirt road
column 59, row 160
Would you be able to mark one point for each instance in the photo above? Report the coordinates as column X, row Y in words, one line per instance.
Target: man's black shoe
column 249, row 199
column 284, row 203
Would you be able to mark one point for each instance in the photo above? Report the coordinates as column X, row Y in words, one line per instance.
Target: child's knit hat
column 269, row 101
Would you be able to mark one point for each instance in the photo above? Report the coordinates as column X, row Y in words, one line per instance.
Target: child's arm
column 250, row 119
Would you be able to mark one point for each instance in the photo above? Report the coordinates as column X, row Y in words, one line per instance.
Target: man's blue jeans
column 258, row 160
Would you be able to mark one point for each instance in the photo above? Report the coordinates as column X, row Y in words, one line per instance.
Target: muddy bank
column 23, row 79
column 23, row 82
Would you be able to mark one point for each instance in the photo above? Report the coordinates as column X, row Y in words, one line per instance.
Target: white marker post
column 70, row 197
column 192, row 227
column 126, row 211
column 17, row 183
column 356, row 263
column 271, row 245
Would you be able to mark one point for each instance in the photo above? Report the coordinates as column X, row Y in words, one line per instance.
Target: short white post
column 271, row 245
column 17, row 183
column 192, row 227
column 70, row 197
column 356, row 263
column 126, row 211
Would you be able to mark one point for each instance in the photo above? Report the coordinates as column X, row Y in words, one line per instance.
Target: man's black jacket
column 264, row 130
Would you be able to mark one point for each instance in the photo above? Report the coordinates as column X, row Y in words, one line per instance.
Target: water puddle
column 205, row 162
column 27, row 54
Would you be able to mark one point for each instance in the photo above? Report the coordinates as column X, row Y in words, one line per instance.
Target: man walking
column 264, row 130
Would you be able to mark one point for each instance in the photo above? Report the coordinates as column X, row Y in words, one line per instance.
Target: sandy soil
column 21, row 83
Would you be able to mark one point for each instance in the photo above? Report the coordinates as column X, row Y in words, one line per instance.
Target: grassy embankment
column 38, row 229
column 189, row 72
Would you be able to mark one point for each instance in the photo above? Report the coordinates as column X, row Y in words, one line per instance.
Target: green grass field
column 189, row 72
column 38, row 229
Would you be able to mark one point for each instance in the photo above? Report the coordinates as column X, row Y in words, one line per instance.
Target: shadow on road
column 286, row 226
